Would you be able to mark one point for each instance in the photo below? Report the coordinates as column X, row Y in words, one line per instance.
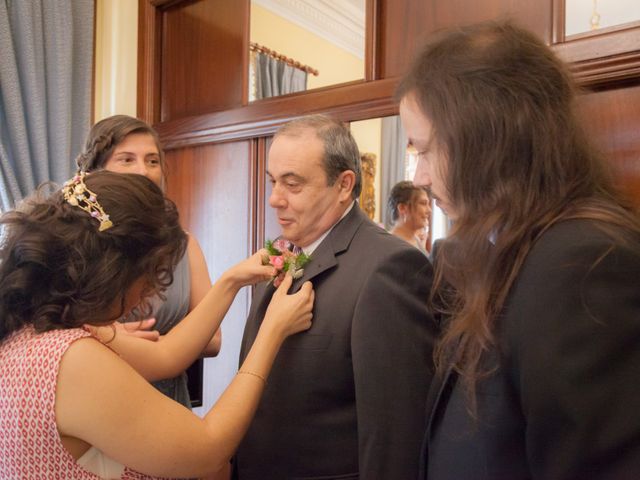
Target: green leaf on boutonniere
column 271, row 248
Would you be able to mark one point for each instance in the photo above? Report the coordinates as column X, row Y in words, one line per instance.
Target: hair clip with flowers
column 284, row 260
column 76, row 193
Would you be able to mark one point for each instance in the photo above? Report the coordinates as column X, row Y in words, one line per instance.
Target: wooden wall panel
column 612, row 118
column 270, row 223
column 211, row 186
column 405, row 24
column 204, row 56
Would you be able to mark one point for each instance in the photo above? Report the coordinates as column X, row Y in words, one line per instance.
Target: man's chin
column 287, row 233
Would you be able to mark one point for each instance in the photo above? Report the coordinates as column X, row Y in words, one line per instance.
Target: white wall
column 116, row 58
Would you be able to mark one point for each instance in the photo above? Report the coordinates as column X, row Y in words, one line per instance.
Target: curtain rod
column 254, row 47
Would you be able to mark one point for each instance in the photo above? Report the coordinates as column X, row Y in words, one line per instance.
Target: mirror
column 589, row 16
column 305, row 44
column 386, row 161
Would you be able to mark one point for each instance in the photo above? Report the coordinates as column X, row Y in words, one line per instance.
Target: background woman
column 125, row 144
column 539, row 360
column 410, row 212
column 71, row 407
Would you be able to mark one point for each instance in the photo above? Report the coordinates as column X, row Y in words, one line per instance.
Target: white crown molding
column 338, row 21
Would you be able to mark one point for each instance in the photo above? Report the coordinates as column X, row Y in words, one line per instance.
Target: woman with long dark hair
column 539, row 360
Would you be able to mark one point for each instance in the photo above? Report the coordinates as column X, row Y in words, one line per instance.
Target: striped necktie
column 296, row 250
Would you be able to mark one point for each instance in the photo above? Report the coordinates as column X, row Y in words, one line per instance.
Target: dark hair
column 105, row 136
column 57, row 270
column 340, row 148
column 402, row 192
column 517, row 161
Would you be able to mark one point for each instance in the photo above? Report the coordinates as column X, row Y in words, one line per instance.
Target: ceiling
column 340, row 22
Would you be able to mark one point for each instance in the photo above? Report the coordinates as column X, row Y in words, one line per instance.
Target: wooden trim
column 558, row 20
column 149, row 61
column 348, row 102
column 371, row 50
column 92, row 118
column 259, row 153
column 246, row 59
column 166, row 3
column 603, row 60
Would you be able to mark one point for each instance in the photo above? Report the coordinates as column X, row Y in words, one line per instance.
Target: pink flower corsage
column 284, row 260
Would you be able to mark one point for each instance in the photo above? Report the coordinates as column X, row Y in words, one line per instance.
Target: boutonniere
column 279, row 255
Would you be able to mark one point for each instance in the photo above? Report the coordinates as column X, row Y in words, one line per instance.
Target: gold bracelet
column 253, row 374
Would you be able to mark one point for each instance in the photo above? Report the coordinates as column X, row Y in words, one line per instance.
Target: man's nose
column 276, row 200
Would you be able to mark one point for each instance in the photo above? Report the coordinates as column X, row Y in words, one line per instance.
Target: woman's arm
column 200, row 285
column 101, row 400
column 176, row 350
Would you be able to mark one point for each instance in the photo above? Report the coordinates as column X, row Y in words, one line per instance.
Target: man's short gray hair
column 340, row 149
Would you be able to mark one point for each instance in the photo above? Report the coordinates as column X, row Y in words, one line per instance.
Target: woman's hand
column 140, row 329
column 290, row 314
column 251, row 270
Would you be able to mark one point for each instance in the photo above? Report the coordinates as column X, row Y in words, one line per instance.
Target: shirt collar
column 309, row 249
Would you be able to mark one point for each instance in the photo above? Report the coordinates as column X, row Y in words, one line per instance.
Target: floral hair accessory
column 76, row 193
column 284, row 260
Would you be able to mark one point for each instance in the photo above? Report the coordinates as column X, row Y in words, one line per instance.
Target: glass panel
column 589, row 15
column 326, row 35
column 382, row 140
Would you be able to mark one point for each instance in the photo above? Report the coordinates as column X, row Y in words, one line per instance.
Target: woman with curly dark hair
column 539, row 360
column 70, row 406
column 125, row 144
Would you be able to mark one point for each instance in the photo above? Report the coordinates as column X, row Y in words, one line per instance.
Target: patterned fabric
column 30, row 445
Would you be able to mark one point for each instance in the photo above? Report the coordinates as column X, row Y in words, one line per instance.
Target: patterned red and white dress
column 30, row 445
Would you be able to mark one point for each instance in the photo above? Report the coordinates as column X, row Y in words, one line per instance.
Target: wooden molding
column 603, row 60
column 355, row 101
column 558, row 21
column 372, row 17
column 149, row 62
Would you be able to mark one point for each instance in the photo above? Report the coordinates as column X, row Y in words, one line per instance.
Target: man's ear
column 346, row 183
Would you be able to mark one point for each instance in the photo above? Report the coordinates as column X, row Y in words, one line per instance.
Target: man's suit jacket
column 565, row 400
column 346, row 399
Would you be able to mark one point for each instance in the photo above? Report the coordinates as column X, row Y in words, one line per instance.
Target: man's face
column 432, row 162
column 305, row 205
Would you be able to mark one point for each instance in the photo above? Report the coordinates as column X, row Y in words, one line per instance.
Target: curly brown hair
column 58, row 271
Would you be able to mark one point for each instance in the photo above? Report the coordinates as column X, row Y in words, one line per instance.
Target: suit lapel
column 325, row 256
column 261, row 298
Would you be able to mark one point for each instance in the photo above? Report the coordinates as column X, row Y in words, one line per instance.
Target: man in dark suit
column 347, row 398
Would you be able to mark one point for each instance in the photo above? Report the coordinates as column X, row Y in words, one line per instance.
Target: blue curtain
column 45, row 91
column 393, row 152
column 274, row 77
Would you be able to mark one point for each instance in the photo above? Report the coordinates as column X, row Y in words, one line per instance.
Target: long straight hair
column 502, row 108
